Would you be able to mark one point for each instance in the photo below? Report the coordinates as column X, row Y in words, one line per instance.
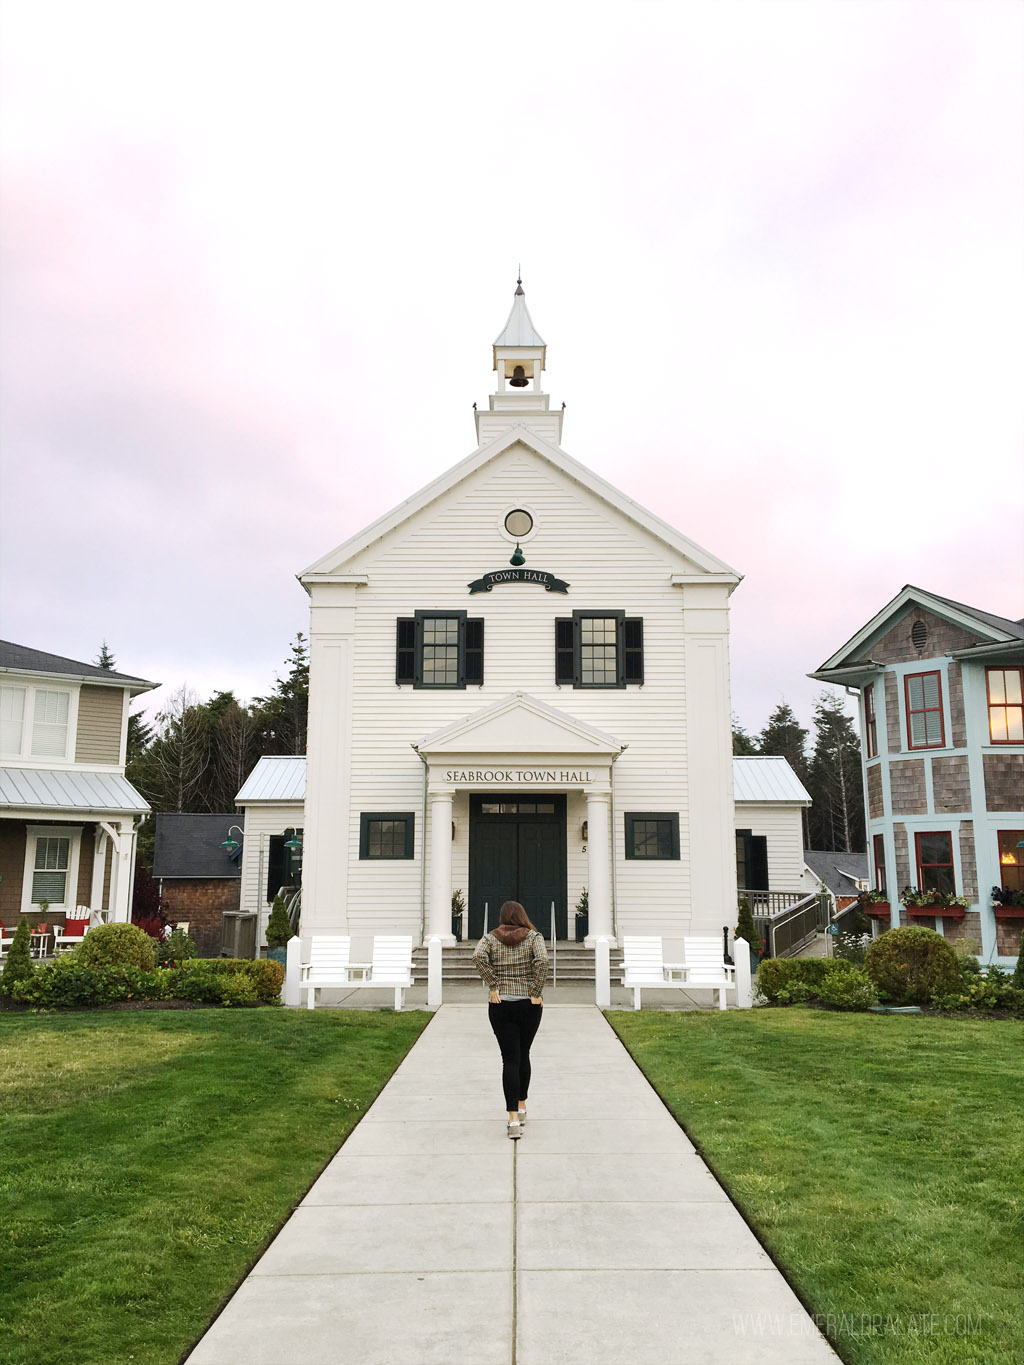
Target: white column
column 599, row 865
column 440, row 902
column 122, row 872
column 741, row 958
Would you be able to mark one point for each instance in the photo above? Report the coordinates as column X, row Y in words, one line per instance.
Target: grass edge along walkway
column 875, row 1157
column 148, row 1158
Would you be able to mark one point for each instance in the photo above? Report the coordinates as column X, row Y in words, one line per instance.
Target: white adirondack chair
column 328, row 965
column 705, row 967
column 644, row 967
column 392, row 964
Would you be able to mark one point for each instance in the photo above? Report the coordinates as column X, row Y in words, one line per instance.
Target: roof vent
column 919, row 634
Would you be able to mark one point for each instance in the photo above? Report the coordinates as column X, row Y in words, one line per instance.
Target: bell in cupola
column 519, row 379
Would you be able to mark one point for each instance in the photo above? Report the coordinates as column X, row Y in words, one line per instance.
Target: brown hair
column 513, row 924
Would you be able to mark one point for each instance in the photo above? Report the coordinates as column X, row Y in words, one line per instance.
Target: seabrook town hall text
column 504, row 776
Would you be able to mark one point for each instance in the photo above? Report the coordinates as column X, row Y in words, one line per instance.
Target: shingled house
column 198, row 878
column 942, row 730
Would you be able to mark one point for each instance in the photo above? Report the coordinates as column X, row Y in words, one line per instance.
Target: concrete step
column 574, row 963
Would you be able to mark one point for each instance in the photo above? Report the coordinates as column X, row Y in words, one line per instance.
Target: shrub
column 790, row 980
column 1018, row 971
column 910, row 966
column 116, row 945
column 992, row 989
column 203, row 978
column 238, row 989
column 852, row 947
column 279, row 926
column 151, row 924
column 18, row 966
column 68, row 984
column 848, row 990
column 177, row 947
column 746, row 928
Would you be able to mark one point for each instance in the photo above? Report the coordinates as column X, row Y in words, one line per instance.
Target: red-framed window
column 878, row 851
column 1011, row 859
column 870, row 723
column 925, row 726
column 1005, row 705
column 935, row 862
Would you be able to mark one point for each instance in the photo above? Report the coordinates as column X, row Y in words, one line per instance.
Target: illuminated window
column 1005, row 705
column 1011, row 859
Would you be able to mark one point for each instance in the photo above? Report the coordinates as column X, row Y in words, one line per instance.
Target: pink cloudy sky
column 255, row 255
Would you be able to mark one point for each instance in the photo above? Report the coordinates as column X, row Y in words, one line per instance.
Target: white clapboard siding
column 261, row 821
column 782, row 826
column 428, row 562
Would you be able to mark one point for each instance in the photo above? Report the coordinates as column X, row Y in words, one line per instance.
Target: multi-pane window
column 440, row 649
column 652, row 835
column 1005, row 705
column 599, row 652
column 50, row 870
column 599, row 649
column 935, row 863
column 870, row 721
column 12, row 719
column 440, row 652
column 878, row 850
column 1011, row 859
column 50, row 724
column 925, row 729
column 386, row 834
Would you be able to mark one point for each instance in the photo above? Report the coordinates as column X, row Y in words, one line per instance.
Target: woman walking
column 513, row 962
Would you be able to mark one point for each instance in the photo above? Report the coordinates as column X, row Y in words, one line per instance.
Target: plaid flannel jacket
column 513, row 969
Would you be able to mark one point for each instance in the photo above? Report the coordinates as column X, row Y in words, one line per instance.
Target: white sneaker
column 514, row 1129
column 522, row 1116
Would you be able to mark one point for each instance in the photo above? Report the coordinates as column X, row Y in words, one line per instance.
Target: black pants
column 515, row 1024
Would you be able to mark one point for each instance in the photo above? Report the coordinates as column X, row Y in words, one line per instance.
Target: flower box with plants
column 876, row 904
column 941, row 903
column 1007, row 904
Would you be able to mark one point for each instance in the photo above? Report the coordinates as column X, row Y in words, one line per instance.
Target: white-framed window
column 37, row 721
column 12, row 719
column 51, row 866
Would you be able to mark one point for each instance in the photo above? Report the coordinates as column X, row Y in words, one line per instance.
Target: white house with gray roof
column 68, row 815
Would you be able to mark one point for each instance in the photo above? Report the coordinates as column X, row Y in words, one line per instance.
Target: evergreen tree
column 742, row 743
column 834, row 779
column 280, row 720
column 18, row 966
column 784, row 737
column 105, row 659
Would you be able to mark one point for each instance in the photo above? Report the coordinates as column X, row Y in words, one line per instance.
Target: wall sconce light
column 229, row 845
column 585, row 830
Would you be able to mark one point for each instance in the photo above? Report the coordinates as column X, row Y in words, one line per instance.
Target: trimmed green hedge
column 911, row 966
column 826, row 980
column 70, row 984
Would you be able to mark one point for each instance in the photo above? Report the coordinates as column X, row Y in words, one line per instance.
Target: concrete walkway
column 431, row 1239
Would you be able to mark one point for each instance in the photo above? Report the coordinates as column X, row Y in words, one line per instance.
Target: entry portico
column 519, row 750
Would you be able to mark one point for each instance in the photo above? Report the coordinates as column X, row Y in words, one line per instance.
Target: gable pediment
column 519, row 724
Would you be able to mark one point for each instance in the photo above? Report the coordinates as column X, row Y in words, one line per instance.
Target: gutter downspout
column 423, row 846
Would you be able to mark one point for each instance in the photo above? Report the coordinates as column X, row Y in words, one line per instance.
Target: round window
column 518, row 523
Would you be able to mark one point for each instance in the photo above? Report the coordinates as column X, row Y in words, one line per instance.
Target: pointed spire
column 519, row 329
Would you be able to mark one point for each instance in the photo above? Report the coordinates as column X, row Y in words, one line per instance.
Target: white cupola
column 520, row 354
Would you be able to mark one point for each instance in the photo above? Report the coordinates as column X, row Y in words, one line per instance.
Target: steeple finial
column 519, row 280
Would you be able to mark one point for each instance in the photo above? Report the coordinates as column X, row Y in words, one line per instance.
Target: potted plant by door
column 279, row 931
column 458, row 910
column 582, row 916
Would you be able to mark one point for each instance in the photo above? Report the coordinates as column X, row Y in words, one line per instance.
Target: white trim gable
column 345, row 556
column 899, row 606
column 519, row 723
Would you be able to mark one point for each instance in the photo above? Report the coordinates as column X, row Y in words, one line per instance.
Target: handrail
column 554, row 947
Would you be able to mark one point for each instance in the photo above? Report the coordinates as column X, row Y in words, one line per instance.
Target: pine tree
column 834, row 779
column 742, row 743
column 280, row 720
column 784, row 737
column 18, row 966
column 105, row 659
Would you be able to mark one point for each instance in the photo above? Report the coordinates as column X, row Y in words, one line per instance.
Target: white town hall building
column 519, row 689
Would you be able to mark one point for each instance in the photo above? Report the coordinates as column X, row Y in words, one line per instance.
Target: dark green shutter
column 405, row 650
column 633, row 649
column 565, row 652
column 276, row 873
column 473, row 655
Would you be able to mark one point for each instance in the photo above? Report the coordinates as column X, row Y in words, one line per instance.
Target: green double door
column 517, row 853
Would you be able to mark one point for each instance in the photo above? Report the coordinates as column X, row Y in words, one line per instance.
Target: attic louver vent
column 919, row 634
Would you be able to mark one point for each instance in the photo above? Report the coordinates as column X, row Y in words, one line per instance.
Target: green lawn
column 879, row 1158
column 147, row 1158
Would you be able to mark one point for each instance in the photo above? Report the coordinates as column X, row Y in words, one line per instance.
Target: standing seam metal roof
column 767, row 779
column 275, row 778
column 74, row 790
